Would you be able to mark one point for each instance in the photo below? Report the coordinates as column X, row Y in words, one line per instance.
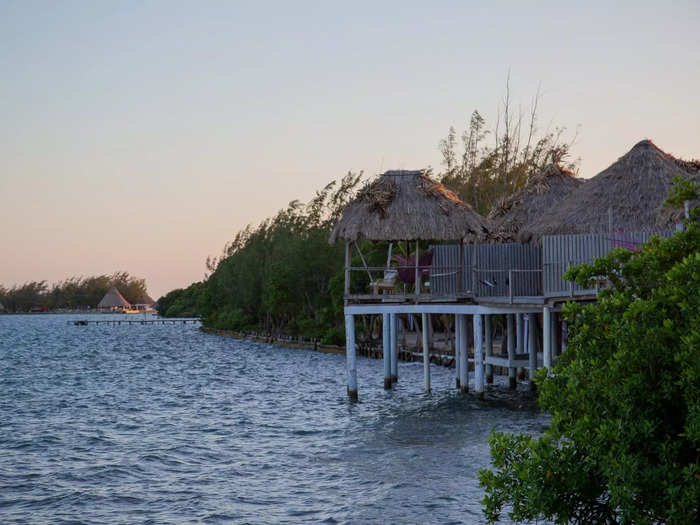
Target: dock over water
column 85, row 322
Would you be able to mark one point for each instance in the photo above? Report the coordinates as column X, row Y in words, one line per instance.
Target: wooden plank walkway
column 85, row 322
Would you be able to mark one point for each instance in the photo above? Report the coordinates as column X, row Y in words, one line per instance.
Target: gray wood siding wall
column 493, row 262
column 444, row 272
column 561, row 251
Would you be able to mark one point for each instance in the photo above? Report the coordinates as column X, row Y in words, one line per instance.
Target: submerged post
column 532, row 348
column 519, row 339
column 511, row 350
column 386, row 350
column 394, row 349
column 463, row 365
column 458, row 345
column 426, row 352
column 478, row 356
column 350, row 356
column 546, row 339
column 489, row 347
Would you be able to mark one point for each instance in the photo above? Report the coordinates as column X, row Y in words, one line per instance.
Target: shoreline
column 374, row 352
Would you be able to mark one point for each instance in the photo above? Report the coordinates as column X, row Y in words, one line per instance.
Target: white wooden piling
column 519, row 338
column 547, row 338
column 386, row 349
column 426, row 351
column 478, row 356
column 511, row 349
column 394, row 348
column 489, row 347
column 532, row 347
column 350, row 356
column 554, row 333
column 458, row 346
column 463, row 365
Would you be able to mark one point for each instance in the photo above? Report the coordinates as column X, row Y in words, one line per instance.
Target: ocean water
column 165, row 424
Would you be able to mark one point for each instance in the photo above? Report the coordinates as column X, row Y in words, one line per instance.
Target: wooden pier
column 85, row 322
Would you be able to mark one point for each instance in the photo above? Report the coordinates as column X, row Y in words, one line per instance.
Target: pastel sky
column 140, row 135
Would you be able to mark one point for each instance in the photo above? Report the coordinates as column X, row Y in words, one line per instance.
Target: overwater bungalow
column 557, row 220
column 113, row 301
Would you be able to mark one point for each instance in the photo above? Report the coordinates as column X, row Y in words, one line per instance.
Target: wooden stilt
column 546, row 338
column 394, row 349
column 532, row 348
column 463, row 366
column 511, row 350
column 426, row 352
column 555, row 335
column 386, row 349
column 489, row 347
column 458, row 346
column 519, row 339
column 478, row 356
column 350, row 356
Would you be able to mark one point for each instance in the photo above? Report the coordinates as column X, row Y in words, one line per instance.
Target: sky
column 141, row 135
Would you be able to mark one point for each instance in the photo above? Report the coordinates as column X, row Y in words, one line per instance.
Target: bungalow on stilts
column 512, row 266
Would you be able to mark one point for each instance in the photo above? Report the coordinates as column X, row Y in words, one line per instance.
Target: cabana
column 404, row 206
column 542, row 193
column 113, row 300
column 628, row 196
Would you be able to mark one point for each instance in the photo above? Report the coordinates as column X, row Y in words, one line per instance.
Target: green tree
column 624, row 441
column 279, row 276
column 483, row 174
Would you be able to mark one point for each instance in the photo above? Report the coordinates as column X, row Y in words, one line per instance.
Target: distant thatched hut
column 513, row 215
column 113, row 300
column 408, row 205
column 627, row 196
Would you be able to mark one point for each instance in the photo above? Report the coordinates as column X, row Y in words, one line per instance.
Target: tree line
column 74, row 293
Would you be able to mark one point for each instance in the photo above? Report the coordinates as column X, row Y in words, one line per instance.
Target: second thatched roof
column 633, row 189
column 513, row 215
column 408, row 205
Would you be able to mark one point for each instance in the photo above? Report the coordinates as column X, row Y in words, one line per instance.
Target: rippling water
column 165, row 424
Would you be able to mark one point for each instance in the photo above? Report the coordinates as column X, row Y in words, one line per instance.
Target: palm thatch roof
column 634, row 189
column 145, row 299
column 408, row 205
column 515, row 213
column 113, row 299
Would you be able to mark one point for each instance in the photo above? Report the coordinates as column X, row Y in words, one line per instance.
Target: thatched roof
column 113, row 299
column 408, row 205
column 515, row 213
column 145, row 299
column 634, row 188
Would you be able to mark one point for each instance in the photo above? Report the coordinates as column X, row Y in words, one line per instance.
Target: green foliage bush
column 624, row 440
column 283, row 276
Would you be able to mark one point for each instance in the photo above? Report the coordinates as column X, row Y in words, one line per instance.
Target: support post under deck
column 511, row 349
column 350, row 356
column 458, row 346
column 478, row 356
column 463, row 364
column 386, row 349
column 532, row 348
column 547, row 338
column 394, row 349
column 426, row 351
column 489, row 347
